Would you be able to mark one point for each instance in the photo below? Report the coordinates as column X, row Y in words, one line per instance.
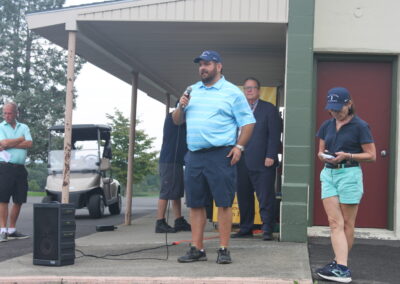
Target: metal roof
column 159, row 39
column 82, row 132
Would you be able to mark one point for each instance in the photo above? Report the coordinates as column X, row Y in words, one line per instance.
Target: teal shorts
column 345, row 183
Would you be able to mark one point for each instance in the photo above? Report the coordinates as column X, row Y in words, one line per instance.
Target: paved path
column 254, row 260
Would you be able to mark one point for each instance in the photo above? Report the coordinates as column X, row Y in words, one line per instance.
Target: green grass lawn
column 36, row 193
column 145, row 194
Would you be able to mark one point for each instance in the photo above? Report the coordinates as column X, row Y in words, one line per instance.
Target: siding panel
column 192, row 10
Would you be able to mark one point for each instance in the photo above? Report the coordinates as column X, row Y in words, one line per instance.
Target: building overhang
column 159, row 39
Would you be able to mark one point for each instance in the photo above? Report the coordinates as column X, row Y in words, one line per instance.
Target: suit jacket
column 265, row 142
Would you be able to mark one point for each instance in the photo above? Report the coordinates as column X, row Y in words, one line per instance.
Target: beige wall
column 367, row 26
column 357, row 27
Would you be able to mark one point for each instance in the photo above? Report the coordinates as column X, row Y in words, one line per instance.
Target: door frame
column 320, row 57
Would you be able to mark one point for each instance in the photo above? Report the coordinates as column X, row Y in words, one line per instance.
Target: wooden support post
column 131, row 151
column 68, row 115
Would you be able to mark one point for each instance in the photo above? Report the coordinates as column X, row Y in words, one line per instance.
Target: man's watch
column 240, row 147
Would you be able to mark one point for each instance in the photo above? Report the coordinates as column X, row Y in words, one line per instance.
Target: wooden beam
column 131, row 151
column 68, row 115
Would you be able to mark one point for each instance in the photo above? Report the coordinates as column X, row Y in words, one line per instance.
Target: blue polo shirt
column 18, row 156
column 214, row 114
column 348, row 139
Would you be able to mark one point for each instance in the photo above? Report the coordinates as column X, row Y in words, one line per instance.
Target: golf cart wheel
column 96, row 206
column 116, row 207
column 47, row 199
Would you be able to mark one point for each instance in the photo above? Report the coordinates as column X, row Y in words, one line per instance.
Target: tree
column 37, row 175
column 145, row 159
column 149, row 185
column 32, row 71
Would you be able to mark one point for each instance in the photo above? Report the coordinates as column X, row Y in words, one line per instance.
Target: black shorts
column 13, row 182
column 171, row 181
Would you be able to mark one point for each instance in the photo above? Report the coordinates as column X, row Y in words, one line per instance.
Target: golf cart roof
column 83, row 132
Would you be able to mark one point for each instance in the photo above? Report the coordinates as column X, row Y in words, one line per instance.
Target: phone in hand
column 328, row 155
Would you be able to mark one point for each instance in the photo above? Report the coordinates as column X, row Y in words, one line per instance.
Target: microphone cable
column 174, row 179
column 110, row 256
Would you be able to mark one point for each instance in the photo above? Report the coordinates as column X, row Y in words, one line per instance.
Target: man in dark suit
column 257, row 167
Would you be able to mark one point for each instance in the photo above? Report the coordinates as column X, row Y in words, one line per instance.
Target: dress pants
column 263, row 183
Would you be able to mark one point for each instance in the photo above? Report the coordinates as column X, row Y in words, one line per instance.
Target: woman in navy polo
column 345, row 142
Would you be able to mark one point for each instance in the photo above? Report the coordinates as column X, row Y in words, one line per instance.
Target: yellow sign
column 236, row 212
column 267, row 94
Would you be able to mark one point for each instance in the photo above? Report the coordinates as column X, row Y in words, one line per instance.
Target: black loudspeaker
column 53, row 234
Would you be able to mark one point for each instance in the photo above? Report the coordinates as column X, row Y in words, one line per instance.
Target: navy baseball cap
column 208, row 55
column 337, row 97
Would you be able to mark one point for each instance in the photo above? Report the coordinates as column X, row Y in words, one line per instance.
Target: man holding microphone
column 213, row 112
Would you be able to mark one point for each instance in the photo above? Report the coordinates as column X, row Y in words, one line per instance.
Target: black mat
column 370, row 261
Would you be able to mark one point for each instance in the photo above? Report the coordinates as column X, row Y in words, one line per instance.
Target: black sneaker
column 241, row 235
column 336, row 272
column 17, row 236
column 182, row 225
column 163, row 227
column 224, row 256
column 193, row 255
column 267, row 236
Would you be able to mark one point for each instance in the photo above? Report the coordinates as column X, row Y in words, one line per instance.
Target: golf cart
column 91, row 183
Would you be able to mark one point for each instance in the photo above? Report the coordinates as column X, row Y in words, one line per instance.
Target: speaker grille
column 53, row 234
column 46, row 233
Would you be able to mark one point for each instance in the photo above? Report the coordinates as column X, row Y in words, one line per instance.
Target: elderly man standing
column 257, row 167
column 213, row 112
column 15, row 139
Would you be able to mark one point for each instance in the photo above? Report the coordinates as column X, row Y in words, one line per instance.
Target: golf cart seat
column 105, row 164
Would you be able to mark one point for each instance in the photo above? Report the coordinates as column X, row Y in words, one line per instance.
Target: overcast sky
column 100, row 93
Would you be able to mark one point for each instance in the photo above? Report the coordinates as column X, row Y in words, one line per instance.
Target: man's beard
column 211, row 76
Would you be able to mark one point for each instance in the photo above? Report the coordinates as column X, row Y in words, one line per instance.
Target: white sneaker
column 3, row 237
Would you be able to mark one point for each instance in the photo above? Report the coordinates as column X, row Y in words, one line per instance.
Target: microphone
column 187, row 93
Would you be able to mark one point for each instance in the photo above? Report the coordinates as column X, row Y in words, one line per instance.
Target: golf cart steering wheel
column 91, row 159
